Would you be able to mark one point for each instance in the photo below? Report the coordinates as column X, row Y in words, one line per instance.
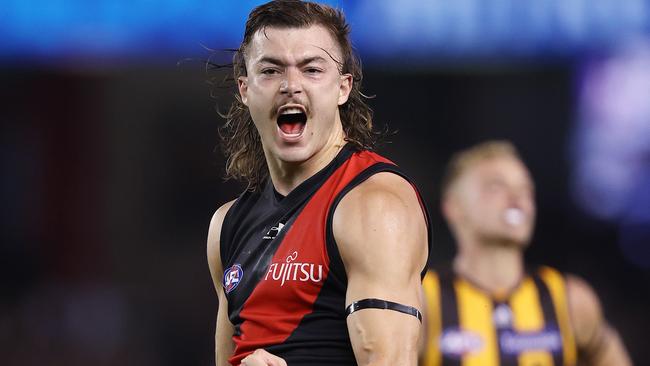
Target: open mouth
column 514, row 216
column 292, row 121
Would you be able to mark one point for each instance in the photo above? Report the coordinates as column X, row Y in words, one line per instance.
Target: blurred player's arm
column 423, row 341
column 224, row 345
column 381, row 233
column 430, row 316
column 598, row 343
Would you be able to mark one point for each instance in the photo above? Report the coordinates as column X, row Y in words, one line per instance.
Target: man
column 320, row 260
column 489, row 309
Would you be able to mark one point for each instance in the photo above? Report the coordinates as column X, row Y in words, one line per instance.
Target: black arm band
column 382, row 304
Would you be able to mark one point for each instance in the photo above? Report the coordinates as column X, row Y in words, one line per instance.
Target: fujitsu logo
column 294, row 271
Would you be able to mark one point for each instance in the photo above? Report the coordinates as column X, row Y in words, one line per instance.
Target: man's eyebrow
column 303, row 62
column 270, row 60
column 309, row 60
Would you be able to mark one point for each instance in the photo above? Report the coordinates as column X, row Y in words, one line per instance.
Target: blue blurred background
column 110, row 173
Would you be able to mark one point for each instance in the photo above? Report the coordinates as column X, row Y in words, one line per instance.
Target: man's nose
column 291, row 83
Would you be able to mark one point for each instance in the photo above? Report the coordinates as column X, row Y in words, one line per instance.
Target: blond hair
column 464, row 159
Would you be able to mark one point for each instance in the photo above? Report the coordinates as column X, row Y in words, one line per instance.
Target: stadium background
column 110, row 175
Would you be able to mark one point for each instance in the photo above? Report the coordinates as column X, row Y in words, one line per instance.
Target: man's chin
column 293, row 154
column 517, row 241
column 509, row 240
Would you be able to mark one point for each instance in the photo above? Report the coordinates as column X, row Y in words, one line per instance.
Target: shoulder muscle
column 381, row 221
column 584, row 309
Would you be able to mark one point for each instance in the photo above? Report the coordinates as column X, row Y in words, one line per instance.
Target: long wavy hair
column 240, row 140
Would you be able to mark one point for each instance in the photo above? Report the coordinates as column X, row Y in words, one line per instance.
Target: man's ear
column 449, row 207
column 345, row 88
column 242, row 84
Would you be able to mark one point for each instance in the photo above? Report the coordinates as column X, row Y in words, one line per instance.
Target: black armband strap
column 382, row 304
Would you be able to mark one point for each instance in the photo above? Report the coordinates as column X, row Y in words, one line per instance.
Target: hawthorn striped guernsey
column 284, row 278
column 466, row 326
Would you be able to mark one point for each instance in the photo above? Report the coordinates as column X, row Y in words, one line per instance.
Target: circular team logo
column 231, row 277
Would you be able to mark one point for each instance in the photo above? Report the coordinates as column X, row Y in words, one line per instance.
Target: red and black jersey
column 284, row 278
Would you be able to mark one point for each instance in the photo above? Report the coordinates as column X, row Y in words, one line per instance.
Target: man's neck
column 287, row 176
column 496, row 268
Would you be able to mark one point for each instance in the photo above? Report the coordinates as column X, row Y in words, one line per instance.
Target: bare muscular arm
column 224, row 345
column 381, row 234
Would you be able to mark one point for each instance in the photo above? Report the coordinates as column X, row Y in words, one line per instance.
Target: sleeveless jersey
column 468, row 327
column 284, row 278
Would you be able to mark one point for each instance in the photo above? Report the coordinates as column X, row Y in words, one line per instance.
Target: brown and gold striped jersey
column 467, row 326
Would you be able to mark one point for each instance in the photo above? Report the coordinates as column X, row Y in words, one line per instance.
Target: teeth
column 292, row 111
column 514, row 216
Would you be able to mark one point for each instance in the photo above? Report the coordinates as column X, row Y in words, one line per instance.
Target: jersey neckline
column 310, row 184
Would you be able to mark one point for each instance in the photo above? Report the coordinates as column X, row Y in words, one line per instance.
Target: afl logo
column 231, row 277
